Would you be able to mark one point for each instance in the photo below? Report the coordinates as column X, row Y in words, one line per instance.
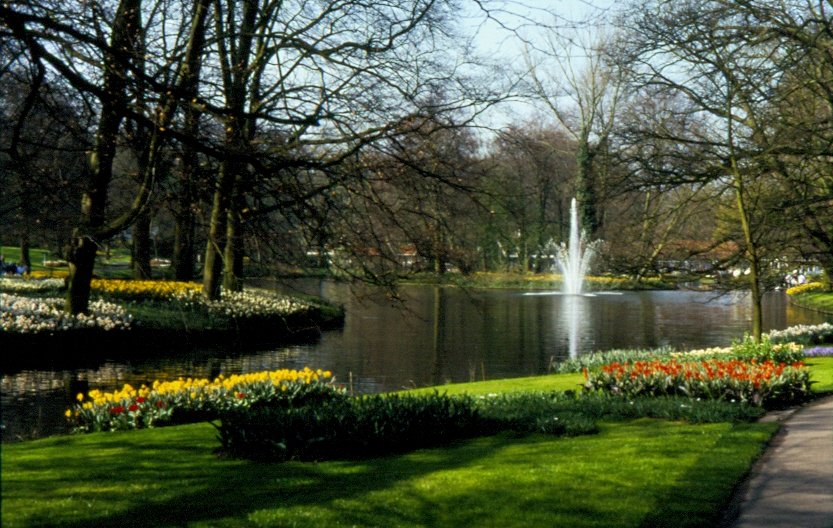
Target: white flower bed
column 31, row 316
column 27, row 285
column 245, row 304
column 803, row 334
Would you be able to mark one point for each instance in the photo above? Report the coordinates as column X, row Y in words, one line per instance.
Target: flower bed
column 191, row 400
column 804, row 334
column 33, row 316
column 144, row 289
column 22, row 285
column 819, row 351
column 761, row 383
column 806, row 288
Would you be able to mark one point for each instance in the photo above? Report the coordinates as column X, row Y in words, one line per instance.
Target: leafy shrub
column 536, row 412
column 766, row 350
column 612, row 407
column 347, row 428
column 523, row 411
column 379, row 425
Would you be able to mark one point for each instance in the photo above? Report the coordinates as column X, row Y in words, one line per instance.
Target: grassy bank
column 819, row 301
column 534, row 281
column 641, row 472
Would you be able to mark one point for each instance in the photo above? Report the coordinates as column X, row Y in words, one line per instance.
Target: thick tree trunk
column 81, row 258
column 233, row 254
column 81, row 255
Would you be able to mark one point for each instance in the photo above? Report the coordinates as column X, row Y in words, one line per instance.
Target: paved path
column 792, row 484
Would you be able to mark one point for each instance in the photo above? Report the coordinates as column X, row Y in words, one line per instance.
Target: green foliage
column 536, row 412
column 347, row 428
column 526, row 411
column 767, row 350
column 380, row 425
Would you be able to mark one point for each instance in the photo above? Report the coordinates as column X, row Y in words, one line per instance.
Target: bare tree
column 724, row 76
column 584, row 90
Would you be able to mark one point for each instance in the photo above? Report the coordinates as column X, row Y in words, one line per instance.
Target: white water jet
column 574, row 258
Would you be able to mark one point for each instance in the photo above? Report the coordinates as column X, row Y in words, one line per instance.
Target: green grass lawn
column 638, row 473
column 821, row 301
column 633, row 473
column 12, row 254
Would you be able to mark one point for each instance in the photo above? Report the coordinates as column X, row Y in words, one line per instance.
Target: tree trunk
column 217, row 230
column 140, row 253
column 25, row 258
column 81, row 258
column 752, row 256
column 184, row 246
column 233, row 251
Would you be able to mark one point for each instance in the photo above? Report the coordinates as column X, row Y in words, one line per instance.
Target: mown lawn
column 638, row 473
column 634, row 473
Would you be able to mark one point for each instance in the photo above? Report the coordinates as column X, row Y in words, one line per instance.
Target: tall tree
column 583, row 89
column 725, row 76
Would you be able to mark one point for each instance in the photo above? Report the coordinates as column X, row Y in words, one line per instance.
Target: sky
column 536, row 18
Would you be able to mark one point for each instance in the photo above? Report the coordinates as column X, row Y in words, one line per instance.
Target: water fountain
column 574, row 261
column 572, row 258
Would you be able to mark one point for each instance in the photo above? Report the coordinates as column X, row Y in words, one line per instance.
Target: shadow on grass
column 208, row 489
column 711, row 480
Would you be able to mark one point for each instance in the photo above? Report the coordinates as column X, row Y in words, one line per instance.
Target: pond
column 436, row 336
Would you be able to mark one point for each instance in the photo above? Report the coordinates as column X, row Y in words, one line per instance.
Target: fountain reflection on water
column 573, row 259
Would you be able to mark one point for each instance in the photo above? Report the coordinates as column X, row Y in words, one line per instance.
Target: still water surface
column 437, row 335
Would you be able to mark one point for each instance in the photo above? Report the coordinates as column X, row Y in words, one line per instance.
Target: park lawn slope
column 635, row 473
column 819, row 301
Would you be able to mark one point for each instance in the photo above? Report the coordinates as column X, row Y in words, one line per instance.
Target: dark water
column 438, row 335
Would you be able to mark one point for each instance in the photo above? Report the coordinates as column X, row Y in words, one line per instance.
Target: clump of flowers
column 704, row 353
column 819, row 351
column 759, row 383
column 144, row 289
column 805, row 334
column 28, row 315
column 809, row 287
column 189, row 400
column 49, row 274
column 244, row 304
column 766, row 349
column 24, row 285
